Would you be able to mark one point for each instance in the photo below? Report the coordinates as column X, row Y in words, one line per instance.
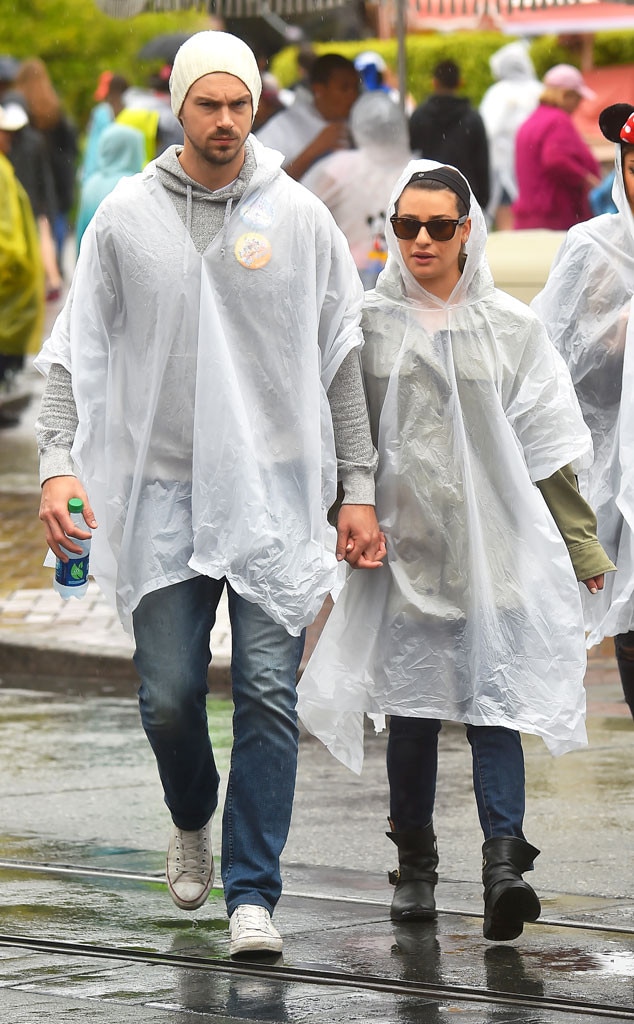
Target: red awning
column 612, row 85
column 515, row 18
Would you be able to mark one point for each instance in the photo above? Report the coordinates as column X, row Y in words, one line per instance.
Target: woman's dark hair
column 431, row 185
column 611, row 121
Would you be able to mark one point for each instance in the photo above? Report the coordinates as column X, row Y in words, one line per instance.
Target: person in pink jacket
column 554, row 166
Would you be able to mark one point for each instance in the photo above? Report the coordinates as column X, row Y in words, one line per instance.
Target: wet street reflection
column 82, row 855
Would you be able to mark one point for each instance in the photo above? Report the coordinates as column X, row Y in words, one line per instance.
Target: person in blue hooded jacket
column 120, row 153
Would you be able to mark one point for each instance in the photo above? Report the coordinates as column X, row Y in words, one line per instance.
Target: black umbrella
column 163, row 47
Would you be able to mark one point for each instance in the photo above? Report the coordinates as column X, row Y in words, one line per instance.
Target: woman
column 45, row 112
column 476, row 617
column 586, row 306
column 555, row 169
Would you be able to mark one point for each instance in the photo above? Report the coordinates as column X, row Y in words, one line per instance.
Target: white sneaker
column 190, row 867
column 251, row 931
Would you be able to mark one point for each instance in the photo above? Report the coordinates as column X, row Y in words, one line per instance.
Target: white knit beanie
column 206, row 52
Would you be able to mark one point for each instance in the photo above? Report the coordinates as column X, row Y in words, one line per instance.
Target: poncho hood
column 399, row 285
column 377, row 124
column 513, row 63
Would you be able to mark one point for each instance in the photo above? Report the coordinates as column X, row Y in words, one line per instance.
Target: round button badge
column 253, row 250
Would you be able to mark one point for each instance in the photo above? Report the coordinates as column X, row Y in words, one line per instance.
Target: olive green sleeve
column 576, row 522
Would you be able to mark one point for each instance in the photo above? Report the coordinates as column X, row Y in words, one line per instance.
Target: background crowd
column 522, row 122
column 480, row 437
column 343, row 131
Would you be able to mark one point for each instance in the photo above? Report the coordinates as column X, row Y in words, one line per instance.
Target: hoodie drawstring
column 225, row 225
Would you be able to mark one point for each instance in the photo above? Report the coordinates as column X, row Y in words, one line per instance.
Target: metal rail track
column 303, row 975
column 307, row 976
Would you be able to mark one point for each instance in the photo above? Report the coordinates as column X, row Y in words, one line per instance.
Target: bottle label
column 72, row 573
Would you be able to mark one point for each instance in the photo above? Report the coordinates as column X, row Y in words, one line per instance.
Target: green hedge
column 470, row 50
column 77, row 42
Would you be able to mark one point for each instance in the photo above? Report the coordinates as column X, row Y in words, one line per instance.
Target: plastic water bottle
column 71, row 577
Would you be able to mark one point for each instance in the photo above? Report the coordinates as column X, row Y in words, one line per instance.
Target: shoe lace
column 252, row 917
column 192, row 851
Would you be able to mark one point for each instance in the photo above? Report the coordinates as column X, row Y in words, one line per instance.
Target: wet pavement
column 87, row 929
column 88, row 932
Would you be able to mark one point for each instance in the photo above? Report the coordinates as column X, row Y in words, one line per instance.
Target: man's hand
column 58, row 525
column 595, row 583
column 333, row 137
column 359, row 539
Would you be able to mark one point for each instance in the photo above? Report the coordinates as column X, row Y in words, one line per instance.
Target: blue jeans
column 171, row 631
column 498, row 775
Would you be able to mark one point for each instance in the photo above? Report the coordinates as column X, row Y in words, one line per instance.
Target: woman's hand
column 595, row 583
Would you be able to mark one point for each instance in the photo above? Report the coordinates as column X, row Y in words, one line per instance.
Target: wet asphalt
column 88, row 932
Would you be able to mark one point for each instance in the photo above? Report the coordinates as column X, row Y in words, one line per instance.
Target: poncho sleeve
column 540, row 402
column 585, row 306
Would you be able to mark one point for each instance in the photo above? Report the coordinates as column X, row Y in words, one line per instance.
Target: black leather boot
column 509, row 901
column 415, row 878
column 624, row 650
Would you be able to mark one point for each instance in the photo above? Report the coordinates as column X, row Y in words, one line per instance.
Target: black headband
column 447, row 176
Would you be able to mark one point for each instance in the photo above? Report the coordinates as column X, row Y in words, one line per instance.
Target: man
column 317, row 122
column 445, row 127
column 214, row 305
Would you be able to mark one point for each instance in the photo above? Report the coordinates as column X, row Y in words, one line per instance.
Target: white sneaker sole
column 195, row 903
column 255, row 944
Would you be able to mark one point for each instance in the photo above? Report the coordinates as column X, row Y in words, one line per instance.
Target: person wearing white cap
column 12, row 118
column 203, row 395
column 21, row 277
column 555, row 168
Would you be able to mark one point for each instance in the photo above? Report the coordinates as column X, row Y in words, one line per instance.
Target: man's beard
column 218, row 158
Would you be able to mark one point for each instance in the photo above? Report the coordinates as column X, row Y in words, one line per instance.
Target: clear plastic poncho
column 476, row 615
column 355, row 184
column 205, row 439
column 505, row 106
column 586, row 306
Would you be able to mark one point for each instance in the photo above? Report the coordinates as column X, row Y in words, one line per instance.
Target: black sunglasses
column 441, row 230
